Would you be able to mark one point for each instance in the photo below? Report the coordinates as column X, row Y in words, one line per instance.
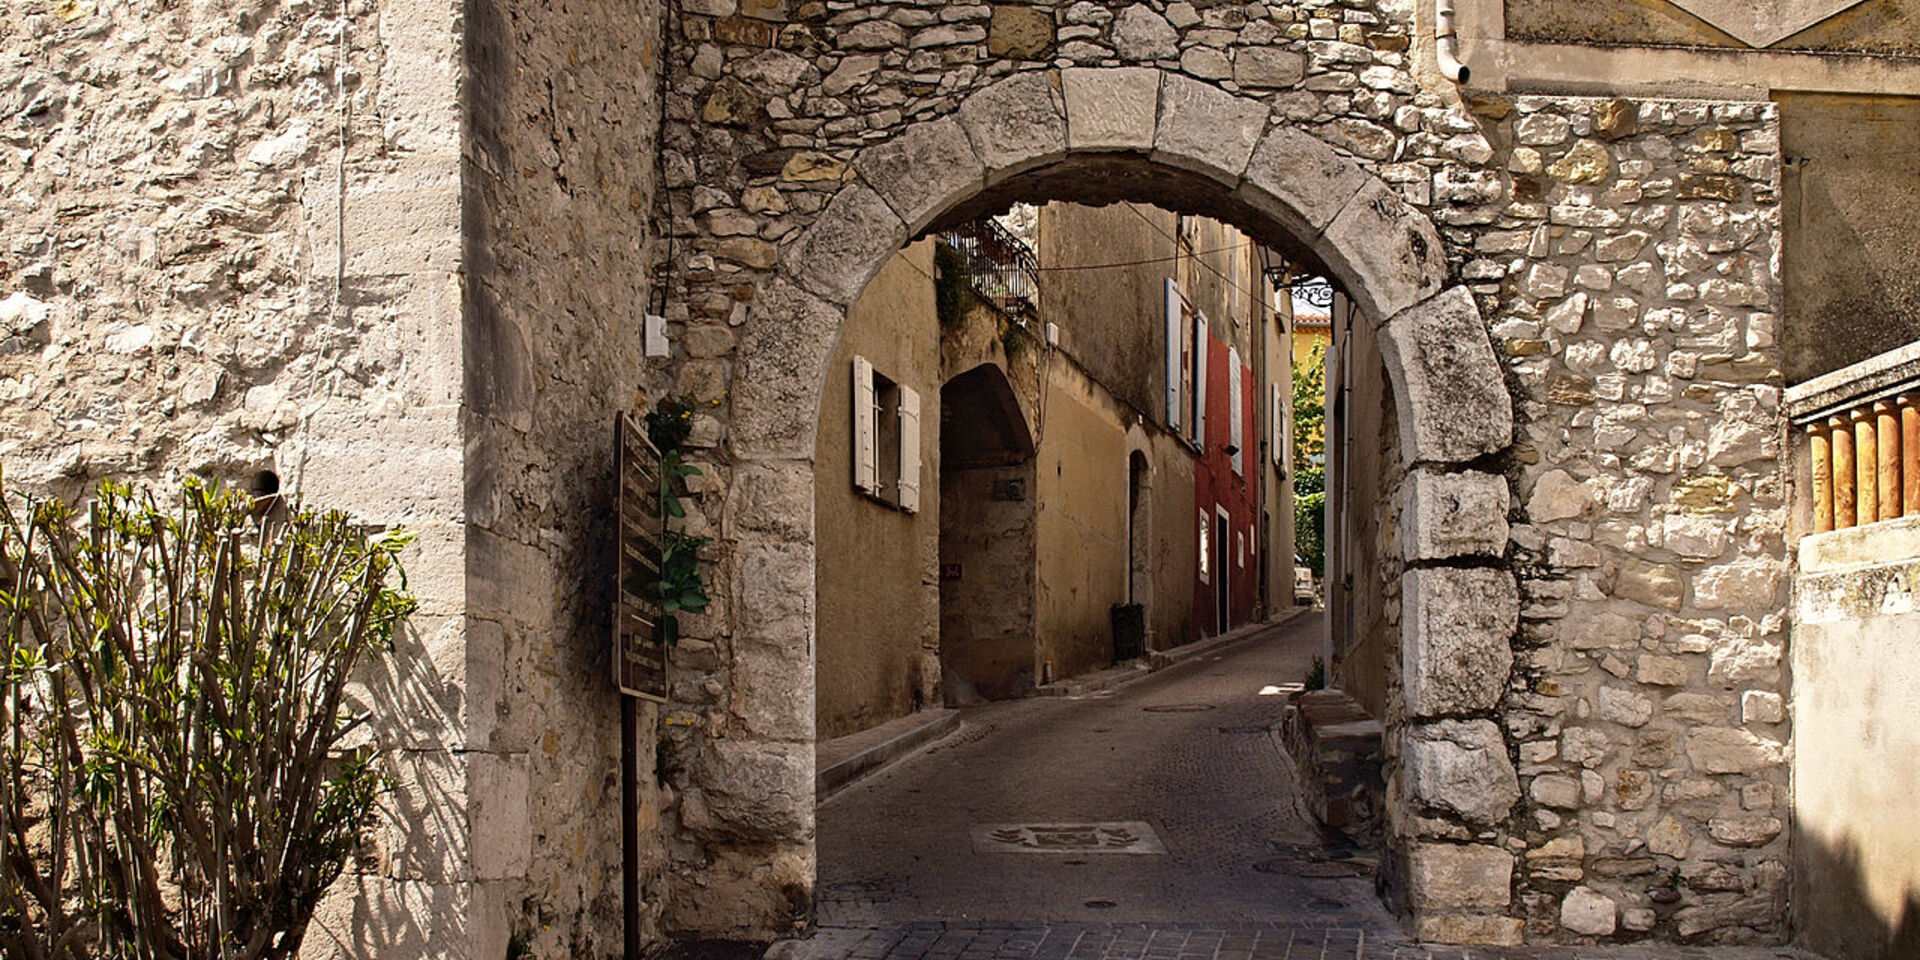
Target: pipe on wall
column 1444, row 43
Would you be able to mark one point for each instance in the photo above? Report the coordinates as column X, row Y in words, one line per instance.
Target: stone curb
column 931, row 725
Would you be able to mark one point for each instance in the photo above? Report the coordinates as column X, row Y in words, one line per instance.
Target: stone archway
column 1099, row 134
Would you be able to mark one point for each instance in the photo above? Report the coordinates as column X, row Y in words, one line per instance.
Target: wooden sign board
column 640, row 658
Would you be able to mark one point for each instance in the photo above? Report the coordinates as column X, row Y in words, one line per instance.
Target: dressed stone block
column 1455, row 630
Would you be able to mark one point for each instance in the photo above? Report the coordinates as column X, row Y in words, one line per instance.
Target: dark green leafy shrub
column 669, row 423
column 172, row 708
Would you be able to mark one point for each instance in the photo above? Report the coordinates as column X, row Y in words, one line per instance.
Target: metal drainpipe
column 1443, row 43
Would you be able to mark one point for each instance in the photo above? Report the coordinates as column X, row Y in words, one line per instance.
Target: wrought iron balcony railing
column 1000, row 267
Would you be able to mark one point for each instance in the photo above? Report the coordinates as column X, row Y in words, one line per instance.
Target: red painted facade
column 1218, row 488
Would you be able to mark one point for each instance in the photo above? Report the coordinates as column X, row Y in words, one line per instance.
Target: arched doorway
column 1078, row 135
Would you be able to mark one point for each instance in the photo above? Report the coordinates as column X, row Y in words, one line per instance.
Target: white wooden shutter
column 909, row 450
column 1206, row 545
column 1236, row 420
column 1275, row 434
column 1174, row 333
column 1200, row 381
column 866, row 438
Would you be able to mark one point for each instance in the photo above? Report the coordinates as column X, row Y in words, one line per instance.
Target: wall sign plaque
column 639, row 655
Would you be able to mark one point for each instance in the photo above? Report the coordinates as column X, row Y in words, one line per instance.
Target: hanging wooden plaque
column 640, row 657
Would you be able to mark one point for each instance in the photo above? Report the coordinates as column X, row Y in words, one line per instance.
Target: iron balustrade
column 1001, row 269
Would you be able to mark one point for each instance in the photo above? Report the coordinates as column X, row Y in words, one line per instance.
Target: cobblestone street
column 1190, row 753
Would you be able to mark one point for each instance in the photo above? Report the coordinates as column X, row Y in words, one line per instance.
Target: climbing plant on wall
column 679, row 586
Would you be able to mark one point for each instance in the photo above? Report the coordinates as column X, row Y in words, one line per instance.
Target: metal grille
column 1001, row 268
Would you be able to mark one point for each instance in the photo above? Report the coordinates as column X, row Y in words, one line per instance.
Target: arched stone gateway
column 1576, row 300
column 1090, row 134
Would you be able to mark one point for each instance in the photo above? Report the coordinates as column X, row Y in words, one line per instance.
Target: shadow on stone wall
column 1832, row 913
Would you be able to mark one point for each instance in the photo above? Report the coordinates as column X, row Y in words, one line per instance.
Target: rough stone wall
column 1637, row 274
column 796, row 163
column 562, row 107
column 229, row 245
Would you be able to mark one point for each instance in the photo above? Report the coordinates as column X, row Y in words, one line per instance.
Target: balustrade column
column 1843, row 499
column 1822, row 466
column 1910, row 451
column 1866, row 468
column 1887, row 426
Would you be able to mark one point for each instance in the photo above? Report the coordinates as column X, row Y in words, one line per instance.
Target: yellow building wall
column 876, row 567
column 1081, row 485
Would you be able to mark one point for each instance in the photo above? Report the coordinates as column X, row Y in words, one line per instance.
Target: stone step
column 1336, row 745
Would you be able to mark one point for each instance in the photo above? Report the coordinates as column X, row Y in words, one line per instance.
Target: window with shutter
column 1236, row 416
column 866, row 435
column 1206, row 546
column 1176, row 334
column 1275, row 429
column 1200, row 381
column 909, row 483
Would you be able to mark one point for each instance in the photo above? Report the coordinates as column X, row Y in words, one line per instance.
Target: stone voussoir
column 1114, row 108
column 1446, row 381
column 846, row 247
column 1206, row 129
column 1461, row 767
column 1016, row 124
column 1387, row 255
column 923, row 171
column 1301, row 182
column 1451, row 515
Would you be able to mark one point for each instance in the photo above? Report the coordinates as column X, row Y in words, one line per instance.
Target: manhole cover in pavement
column 1313, row 869
column 1117, row 836
column 1101, row 904
column 1179, row 708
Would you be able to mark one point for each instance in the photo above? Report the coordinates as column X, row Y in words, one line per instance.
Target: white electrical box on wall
column 657, row 336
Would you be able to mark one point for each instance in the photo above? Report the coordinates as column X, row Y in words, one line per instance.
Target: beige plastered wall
column 1173, row 543
column 1856, row 759
column 876, row 566
column 1081, row 491
column 1362, row 544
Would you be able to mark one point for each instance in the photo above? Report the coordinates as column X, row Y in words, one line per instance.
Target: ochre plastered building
column 1058, row 473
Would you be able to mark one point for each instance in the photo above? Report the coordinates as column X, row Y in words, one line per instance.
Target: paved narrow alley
column 1155, row 821
column 1186, row 758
